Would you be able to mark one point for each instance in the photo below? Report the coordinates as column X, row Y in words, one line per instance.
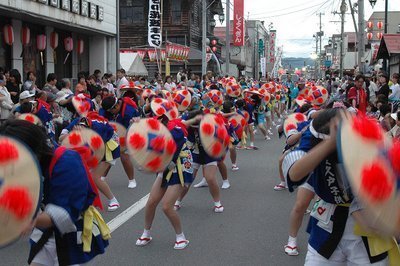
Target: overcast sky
column 296, row 20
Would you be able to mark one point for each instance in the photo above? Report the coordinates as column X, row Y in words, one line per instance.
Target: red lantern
column 214, row 42
column 25, row 36
column 214, row 49
column 370, row 35
column 41, row 45
column 379, row 35
column 81, row 46
column 41, row 42
column 54, row 40
column 370, row 25
column 379, row 24
column 68, row 46
column 8, row 34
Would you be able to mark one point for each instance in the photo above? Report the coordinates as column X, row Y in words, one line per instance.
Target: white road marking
column 127, row 214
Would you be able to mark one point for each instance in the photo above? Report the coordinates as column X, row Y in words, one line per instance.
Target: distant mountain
column 293, row 62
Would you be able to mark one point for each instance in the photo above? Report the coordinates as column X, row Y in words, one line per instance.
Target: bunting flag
column 152, row 53
column 177, row 52
column 142, row 53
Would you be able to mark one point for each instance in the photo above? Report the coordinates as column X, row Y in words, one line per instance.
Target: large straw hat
column 292, row 122
column 30, row 118
column 86, row 138
column 167, row 95
column 216, row 97
column 233, row 90
column 20, row 189
column 182, row 98
column 150, row 145
column 266, row 95
column 372, row 166
column 82, row 104
column 213, row 135
column 319, row 95
column 161, row 107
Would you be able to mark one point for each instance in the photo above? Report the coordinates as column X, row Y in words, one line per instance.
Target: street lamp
column 221, row 18
column 372, row 2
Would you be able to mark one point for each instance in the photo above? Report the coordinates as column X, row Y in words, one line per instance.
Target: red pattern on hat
column 154, row 164
column 74, row 139
column 207, row 129
column 377, row 181
column 367, row 128
column 153, row 124
column 96, row 142
column 137, row 141
column 18, row 201
column 394, row 156
column 8, row 152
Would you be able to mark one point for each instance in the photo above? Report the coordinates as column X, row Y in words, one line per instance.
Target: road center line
column 127, row 214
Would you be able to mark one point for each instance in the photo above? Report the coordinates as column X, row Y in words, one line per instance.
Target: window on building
column 176, row 11
column 177, row 39
column 131, row 11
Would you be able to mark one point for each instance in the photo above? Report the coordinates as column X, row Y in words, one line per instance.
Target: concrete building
column 257, row 39
column 92, row 22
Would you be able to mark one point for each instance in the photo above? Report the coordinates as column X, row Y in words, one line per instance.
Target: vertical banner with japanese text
column 154, row 24
column 272, row 41
column 263, row 66
column 238, row 23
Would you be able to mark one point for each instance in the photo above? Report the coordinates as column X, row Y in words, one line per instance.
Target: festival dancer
column 209, row 164
column 101, row 126
column 123, row 111
column 332, row 240
column 169, row 187
column 63, row 231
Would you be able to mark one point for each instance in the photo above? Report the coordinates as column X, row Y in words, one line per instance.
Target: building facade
column 181, row 24
column 89, row 28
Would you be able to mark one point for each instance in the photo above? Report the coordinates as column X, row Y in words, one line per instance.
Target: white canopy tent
column 132, row 64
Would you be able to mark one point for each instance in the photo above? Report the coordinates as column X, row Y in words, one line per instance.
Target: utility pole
column 361, row 37
column 204, row 38
column 320, row 34
column 343, row 9
column 385, row 68
column 317, row 66
column 227, row 37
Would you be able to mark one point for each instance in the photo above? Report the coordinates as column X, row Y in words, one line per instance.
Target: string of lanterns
column 41, row 42
column 379, row 26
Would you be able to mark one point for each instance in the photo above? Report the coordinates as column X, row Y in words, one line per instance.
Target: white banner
column 263, row 66
column 154, row 25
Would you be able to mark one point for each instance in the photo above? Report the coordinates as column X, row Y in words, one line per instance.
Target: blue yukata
column 182, row 156
column 330, row 219
column 200, row 157
column 128, row 111
column 46, row 117
column 67, row 195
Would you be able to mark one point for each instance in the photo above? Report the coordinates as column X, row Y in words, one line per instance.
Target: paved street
column 251, row 231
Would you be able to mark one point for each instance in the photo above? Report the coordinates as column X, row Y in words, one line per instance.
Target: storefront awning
column 132, row 64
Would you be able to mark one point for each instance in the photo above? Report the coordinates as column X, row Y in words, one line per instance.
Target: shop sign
column 155, row 32
column 80, row 7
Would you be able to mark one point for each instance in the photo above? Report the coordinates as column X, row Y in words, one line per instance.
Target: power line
column 280, row 10
column 289, row 13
